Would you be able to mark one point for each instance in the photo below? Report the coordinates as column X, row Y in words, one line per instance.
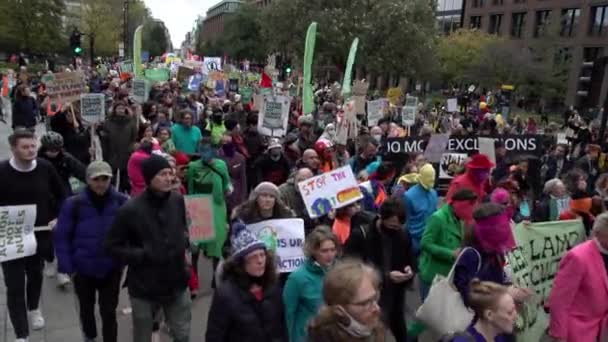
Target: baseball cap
column 98, row 168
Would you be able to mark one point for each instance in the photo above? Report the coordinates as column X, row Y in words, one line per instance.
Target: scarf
column 354, row 328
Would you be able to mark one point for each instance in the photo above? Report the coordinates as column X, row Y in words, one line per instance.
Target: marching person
column 154, row 247
column 26, row 180
column 81, row 229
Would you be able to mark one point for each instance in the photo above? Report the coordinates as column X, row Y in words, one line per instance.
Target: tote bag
column 443, row 310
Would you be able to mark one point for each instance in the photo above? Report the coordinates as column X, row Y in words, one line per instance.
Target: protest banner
column 140, row 90
column 285, row 237
column 199, row 216
column 157, row 75
column 375, row 111
column 220, row 88
column 450, row 164
column 274, row 115
column 17, row 238
column 331, row 190
column 194, row 82
column 486, row 146
column 436, row 147
column 246, row 94
column 65, row 86
column 452, row 106
column 212, row 64
column 534, row 263
column 92, row 107
column 410, row 110
column 138, row 68
column 530, row 144
column 394, row 95
column 216, row 75
column 184, row 73
column 126, row 66
column 197, row 66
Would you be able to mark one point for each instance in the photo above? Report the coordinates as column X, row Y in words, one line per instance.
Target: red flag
column 266, row 81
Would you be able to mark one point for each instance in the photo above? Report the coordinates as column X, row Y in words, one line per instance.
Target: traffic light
column 75, row 42
column 590, row 82
column 288, row 69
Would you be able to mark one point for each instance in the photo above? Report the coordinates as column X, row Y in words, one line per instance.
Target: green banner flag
column 534, row 264
column 346, row 84
column 308, row 102
column 137, row 41
column 157, row 75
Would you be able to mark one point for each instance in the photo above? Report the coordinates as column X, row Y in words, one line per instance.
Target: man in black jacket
column 387, row 245
column 150, row 235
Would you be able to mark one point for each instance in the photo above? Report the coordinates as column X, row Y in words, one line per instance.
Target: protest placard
column 450, row 164
column 194, row 82
column 17, row 238
column 534, row 263
column 65, row 86
column 246, row 94
column 212, row 64
column 157, row 75
column 184, row 73
column 375, row 111
column 394, row 95
column 360, row 88
column 199, row 216
column 331, row 190
column 274, row 115
column 220, row 88
column 197, row 66
column 486, row 146
column 436, row 147
column 410, row 110
column 140, row 91
column 92, row 107
column 452, row 105
column 285, row 237
column 233, row 85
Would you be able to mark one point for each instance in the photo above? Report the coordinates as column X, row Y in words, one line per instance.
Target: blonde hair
column 342, row 282
column 484, row 295
column 314, row 240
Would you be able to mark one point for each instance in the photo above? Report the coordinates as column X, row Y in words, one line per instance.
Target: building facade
column 582, row 29
column 449, row 15
column 213, row 24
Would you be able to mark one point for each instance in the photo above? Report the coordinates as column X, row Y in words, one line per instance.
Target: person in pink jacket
column 475, row 177
column 136, row 177
column 578, row 303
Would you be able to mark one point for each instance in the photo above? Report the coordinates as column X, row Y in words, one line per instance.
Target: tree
column 155, row 38
column 242, row 35
column 99, row 19
column 33, row 26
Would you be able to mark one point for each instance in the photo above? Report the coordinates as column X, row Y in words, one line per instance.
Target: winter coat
column 186, row 139
column 24, row 112
column 67, row 166
column 268, row 170
column 118, row 136
column 465, row 181
column 492, row 269
column 80, row 233
column 419, row 205
column 237, row 169
column 76, row 141
column 150, row 235
column 442, row 235
column 136, row 176
column 302, row 297
column 237, row 316
column 293, row 200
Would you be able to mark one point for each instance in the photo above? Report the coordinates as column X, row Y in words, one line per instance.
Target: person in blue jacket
column 81, row 229
column 303, row 292
column 420, row 203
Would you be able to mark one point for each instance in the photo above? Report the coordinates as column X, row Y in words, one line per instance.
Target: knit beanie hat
column 243, row 241
column 152, row 166
column 266, row 188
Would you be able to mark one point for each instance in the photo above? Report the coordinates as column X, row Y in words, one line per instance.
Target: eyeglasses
column 367, row 303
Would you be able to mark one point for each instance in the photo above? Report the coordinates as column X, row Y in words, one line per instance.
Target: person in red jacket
column 475, row 177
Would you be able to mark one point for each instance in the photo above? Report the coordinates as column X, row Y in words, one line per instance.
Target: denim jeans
column 177, row 315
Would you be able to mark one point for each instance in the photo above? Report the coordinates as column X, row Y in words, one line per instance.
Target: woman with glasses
column 79, row 236
column 351, row 291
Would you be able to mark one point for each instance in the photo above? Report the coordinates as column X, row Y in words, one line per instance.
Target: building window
column 497, row 2
column 599, row 21
column 477, row 3
column 569, row 24
column 518, row 23
column 542, row 23
column 563, row 56
column 475, row 22
column 495, row 23
column 590, row 54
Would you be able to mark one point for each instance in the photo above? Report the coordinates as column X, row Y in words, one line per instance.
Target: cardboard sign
column 17, row 238
column 199, row 216
column 197, row 66
column 184, row 73
column 140, row 91
column 450, row 164
column 65, row 86
column 534, row 263
column 286, row 238
column 92, row 107
column 331, row 190
column 157, row 75
column 360, row 88
column 394, row 95
column 375, row 111
column 436, row 147
column 212, row 64
column 531, row 144
column 452, row 106
column 274, row 115
column 410, row 110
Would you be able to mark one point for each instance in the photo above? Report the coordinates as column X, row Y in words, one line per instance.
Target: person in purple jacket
column 81, row 229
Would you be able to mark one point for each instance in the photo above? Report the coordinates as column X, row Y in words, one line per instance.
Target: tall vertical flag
column 137, row 38
column 308, row 102
column 346, row 84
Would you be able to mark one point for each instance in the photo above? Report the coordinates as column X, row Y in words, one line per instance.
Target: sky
column 179, row 15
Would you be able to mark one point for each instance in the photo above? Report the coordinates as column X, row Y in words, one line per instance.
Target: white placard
column 212, row 64
column 450, row 164
column 274, row 115
column 375, row 111
column 140, row 91
column 331, row 190
column 452, row 105
column 285, row 237
column 408, row 115
column 93, row 107
column 17, row 239
column 486, row 146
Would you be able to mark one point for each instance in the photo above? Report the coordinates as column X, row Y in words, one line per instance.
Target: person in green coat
column 303, row 292
column 209, row 175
